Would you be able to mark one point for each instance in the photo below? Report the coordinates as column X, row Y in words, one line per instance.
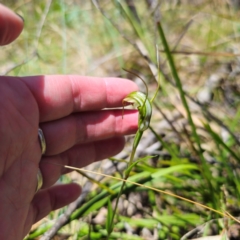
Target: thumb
column 11, row 25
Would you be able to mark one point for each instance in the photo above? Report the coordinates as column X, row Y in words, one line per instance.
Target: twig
column 210, row 54
column 42, row 21
column 185, row 29
column 168, row 121
column 200, row 230
column 34, row 54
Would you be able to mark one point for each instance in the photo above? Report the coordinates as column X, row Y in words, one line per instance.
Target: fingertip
column 53, row 198
column 11, row 25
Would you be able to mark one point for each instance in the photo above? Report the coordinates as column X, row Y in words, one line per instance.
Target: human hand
column 68, row 109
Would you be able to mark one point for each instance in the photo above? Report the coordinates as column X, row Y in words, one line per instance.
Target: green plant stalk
column 109, row 217
column 145, row 112
column 178, row 83
column 205, row 171
column 137, row 138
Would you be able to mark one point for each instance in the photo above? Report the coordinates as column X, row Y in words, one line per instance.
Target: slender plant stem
column 205, row 169
column 137, row 139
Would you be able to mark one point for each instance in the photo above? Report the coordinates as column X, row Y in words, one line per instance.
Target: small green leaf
column 173, row 169
column 109, row 220
column 129, row 169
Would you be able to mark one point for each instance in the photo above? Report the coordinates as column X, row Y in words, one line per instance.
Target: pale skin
column 69, row 110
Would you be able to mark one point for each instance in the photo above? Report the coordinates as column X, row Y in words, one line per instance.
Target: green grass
column 77, row 39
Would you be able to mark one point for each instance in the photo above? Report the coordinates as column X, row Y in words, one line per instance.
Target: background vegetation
column 192, row 146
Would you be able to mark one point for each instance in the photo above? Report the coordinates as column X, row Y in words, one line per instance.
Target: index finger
column 58, row 96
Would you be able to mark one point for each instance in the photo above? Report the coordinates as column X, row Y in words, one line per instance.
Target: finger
column 59, row 96
column 78, row 156
column 63, row 134
column 53, row 198
column 11, row 25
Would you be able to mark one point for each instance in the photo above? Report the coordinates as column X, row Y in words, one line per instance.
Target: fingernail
column 21, row 17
